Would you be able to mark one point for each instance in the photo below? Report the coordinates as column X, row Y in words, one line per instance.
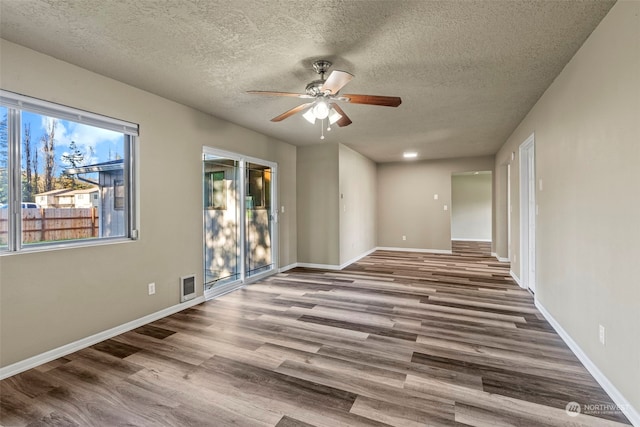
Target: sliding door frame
column 242, row 160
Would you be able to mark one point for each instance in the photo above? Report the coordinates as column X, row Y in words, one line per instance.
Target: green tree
column 74, row 157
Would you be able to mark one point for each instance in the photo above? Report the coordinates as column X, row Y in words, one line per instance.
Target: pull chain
column 322, row 129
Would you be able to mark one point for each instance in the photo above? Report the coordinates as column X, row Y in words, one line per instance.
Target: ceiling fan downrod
column 321, row 66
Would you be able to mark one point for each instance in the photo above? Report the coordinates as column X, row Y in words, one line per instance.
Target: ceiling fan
column 325, row 94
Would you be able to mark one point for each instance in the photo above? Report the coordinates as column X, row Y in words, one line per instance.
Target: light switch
column 435, row 197
column 540, row 184
column 282, row 209
column 446, row 208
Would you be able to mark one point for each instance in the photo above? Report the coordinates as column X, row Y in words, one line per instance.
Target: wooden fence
column 52, row 224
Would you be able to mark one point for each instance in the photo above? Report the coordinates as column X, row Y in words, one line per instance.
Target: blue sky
column 98, row 145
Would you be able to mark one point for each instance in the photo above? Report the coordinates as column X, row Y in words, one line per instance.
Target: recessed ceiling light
column 410, row 155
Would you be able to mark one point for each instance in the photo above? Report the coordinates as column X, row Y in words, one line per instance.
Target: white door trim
column 509, row 211
column 527, row 214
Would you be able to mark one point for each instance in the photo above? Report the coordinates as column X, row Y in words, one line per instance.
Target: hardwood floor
column 471, row 248
column 398, row 338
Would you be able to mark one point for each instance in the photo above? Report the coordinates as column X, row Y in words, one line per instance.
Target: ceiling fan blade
column 291, row 112
column 336, row 81
column 270, row 93
column 385, row 101
column 344, row 120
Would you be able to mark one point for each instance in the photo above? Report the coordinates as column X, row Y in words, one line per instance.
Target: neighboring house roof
column 67, row 192
column 111, row 165
column 53, row 192
column 86, row 190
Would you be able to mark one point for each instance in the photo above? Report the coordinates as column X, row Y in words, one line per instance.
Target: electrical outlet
column 152, row 288
column 446, row 208
column 601, row 330
column 404, row 237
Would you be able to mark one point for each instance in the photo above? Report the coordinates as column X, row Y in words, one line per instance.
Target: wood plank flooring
column 471, row 248
column 398, row 338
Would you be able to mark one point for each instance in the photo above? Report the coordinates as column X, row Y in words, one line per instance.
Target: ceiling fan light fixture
column 321, row 110
column 334, row 116
column 325, row 93
column 309, row 116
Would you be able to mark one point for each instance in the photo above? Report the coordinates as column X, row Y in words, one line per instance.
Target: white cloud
column 87, row 139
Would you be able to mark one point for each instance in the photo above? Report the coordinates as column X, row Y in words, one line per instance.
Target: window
column 258, row 186
column 118, row 195
column 215, row 190
column 66, row 175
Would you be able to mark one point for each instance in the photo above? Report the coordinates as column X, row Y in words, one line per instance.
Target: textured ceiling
column 467, row 71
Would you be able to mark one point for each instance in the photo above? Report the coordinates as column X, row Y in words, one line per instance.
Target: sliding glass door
column 258, row 219
column 221, row 220
column 238, row 237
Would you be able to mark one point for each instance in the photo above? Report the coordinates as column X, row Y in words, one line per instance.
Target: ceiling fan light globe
column 309, row 116
column 334, row 116
column 321, row 110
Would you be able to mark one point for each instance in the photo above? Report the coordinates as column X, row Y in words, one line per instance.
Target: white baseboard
column 515, row 278
column 358, row 258
column 431, row 251
column 335, row 266
column 50, row 355
column 218, row 290
column 623, row 404
column 470, row 240
column 288, row 267
column 319, row 266
column 499, row 258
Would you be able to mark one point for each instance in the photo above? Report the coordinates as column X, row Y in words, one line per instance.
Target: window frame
column 15, row 105
column 211, row 191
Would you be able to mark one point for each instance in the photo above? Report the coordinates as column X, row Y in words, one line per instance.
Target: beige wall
column 406, row 206
column 587, row 130
column 317, row 196
column 357, row 205
column 471, row 206
column 336, row 204
column 52, row 298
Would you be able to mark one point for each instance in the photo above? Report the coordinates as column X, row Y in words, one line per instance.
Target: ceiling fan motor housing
column 314, row 87
column 321, row 66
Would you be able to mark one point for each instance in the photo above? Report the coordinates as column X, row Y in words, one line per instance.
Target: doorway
column 528, row 214
column 239, row 220
column 471, row 213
